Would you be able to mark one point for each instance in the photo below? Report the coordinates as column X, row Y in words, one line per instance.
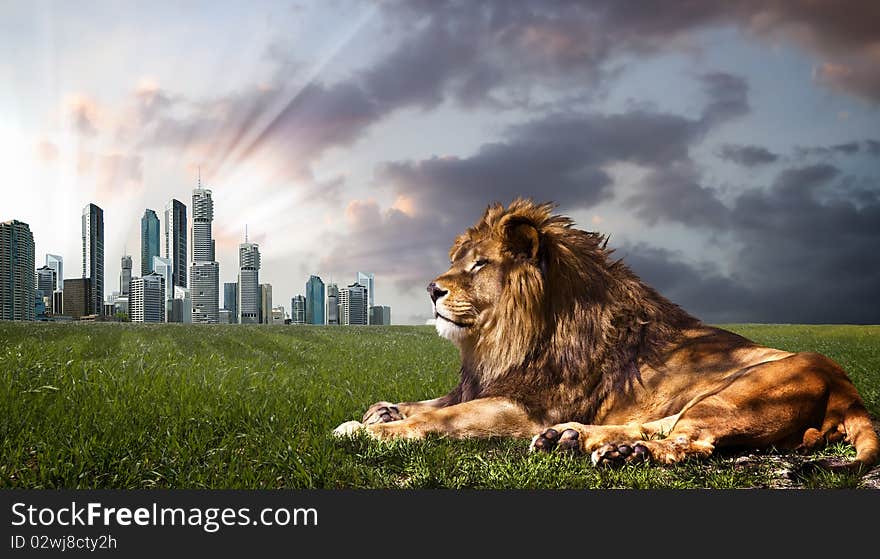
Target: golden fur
column 564, row 344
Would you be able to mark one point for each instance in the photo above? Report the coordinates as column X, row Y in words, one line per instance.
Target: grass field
column 176, row 406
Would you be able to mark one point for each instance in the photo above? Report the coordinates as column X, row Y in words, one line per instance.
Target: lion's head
column 525, row 286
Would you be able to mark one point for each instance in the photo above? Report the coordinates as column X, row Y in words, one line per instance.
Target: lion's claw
column 567, row 441
column 619, row 454
column 382, row 412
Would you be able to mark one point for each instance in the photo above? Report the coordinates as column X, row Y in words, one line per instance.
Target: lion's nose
column 435, row 292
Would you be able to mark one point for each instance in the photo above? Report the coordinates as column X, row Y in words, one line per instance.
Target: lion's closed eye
column 479, row 263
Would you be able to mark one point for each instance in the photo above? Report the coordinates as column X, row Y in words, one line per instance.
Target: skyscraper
column 265, row 303
column 298, row 309
column 230, row 300
column 149, row 240
column 353, row 303
column 181, row 306
column 315, row 300
column 205, row 272
column 332, row 304
column 175, row 241
column 248, row 302
column 56, row 263
column 124, row 275
column 147, row 299
column 17, row 276
column 162, row 266
column 93, row 256
column 46, row 285
column 367, row 280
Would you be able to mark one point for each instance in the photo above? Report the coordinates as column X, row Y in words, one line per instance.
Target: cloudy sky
column 731, row 149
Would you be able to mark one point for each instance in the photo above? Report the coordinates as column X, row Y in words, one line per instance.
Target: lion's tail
column 860, row 432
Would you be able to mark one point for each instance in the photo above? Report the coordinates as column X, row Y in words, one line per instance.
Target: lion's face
column 465, row 294
column 490, row 266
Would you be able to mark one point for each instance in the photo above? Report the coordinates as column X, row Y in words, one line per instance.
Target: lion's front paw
column 348, row 429
column 382, row 412
column 567, row 440
column 620, row 454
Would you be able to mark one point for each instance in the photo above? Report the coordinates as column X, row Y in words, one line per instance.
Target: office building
column 93, row 256
column 380, row 315
column 230, row 300
column 124, row 275
column 315, row 300
column 368, row 281
column 204, row 276
column 58, row 301
column 277, row 315
column 265, row 303
column 147, row 298
column 77, row 297
column 56, row 263
column 162, row 266
column 175, row 241
column 45, row 286
column 353, row 303
column 181, row 306
column 149, row 240
column 204, row 279
column 248, row 301
column 332, row 309
column 298, row 310
column 17, row 276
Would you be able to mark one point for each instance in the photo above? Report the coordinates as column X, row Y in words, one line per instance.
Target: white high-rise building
column 353, row 305
column 265, row 303
column 147, row 298
column 248, row 283
column 124, row 275
column 204, row 277
column 332, row 313
column 368, row 281
column 164, row 268
column 298, row 310
column 56, row 263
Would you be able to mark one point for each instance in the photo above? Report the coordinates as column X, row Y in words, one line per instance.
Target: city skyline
column 710, row 144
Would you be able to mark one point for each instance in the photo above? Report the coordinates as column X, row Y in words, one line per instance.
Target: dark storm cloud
column 802, row 246
column 849, row 148
column 674, row 193
column 747, row 156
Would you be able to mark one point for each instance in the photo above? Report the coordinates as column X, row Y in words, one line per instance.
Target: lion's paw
column 382, row 412
column 553, row 439
column 348, row 429
column 611, row 455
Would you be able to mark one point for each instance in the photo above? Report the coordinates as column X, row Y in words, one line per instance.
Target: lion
column 564, row 345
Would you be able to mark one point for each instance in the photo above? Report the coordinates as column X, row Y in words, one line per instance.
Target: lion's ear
column 521, row 238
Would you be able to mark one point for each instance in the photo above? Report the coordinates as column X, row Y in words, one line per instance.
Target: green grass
column 131, row 406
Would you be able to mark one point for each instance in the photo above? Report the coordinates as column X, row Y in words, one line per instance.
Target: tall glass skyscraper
column 315, row 300
column 353, row 303
column 175, row 241
column 93, row 256
column 248, row 283
column 149, row 240
column 56, row 263
column 367, row 280
column 16, row 271
column 204, row 277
